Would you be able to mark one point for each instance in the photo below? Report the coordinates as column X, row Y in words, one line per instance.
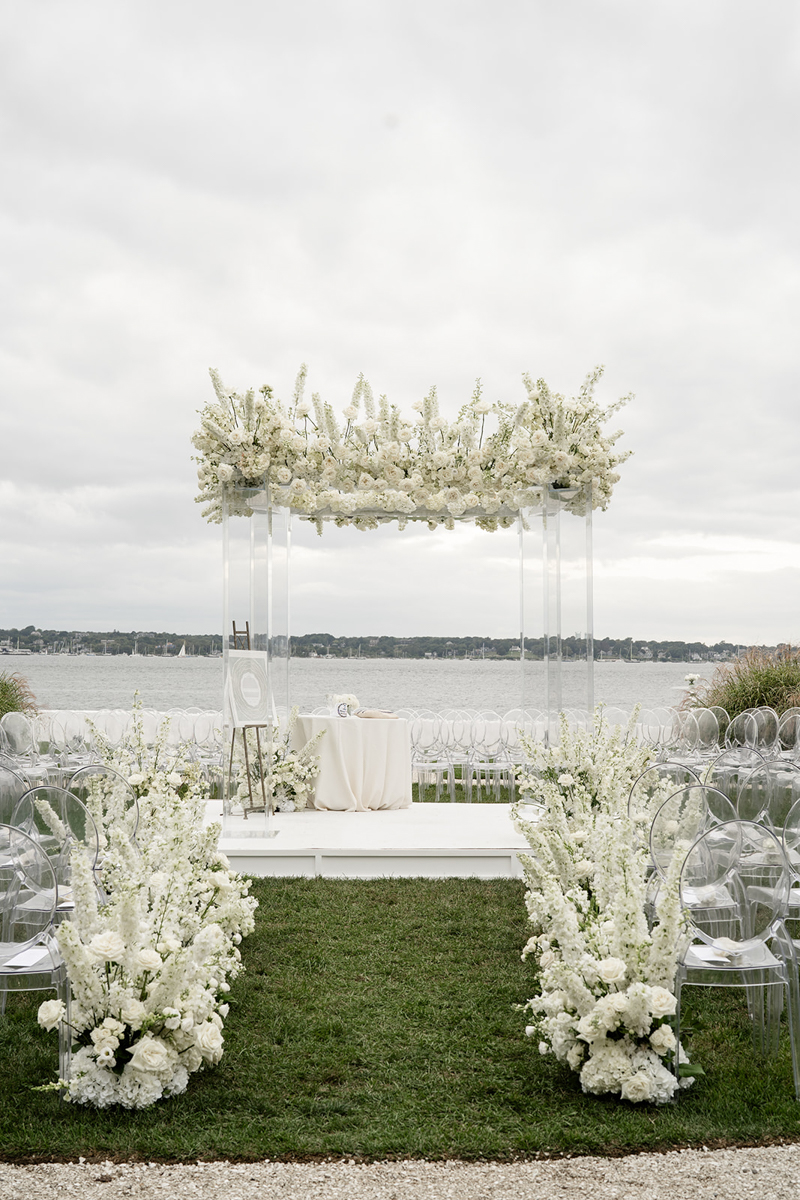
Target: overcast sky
column 426, row 191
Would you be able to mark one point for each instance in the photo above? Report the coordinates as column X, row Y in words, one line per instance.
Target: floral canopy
column 493, row 461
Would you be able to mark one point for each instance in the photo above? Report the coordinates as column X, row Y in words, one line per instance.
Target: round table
column 363, row 763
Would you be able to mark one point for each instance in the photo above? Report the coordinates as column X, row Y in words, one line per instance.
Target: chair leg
column 65, row 1032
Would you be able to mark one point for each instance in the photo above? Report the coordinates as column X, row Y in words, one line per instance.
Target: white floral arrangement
column 606, row 980
column 290, row 773
column 489, row 464
column 337, row 699
column 150, row 955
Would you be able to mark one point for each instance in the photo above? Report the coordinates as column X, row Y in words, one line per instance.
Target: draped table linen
column 364, row 764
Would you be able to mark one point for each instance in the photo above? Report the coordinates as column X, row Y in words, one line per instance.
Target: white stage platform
column 434, row 841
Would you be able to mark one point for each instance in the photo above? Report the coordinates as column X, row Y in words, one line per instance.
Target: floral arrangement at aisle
column 489, row 464
column 606, row 981
column 290, row 773
column 151, row 951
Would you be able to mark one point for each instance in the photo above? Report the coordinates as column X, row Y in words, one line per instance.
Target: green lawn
column 377, row 1020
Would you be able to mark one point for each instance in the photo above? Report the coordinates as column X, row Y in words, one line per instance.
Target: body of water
column 84, row 682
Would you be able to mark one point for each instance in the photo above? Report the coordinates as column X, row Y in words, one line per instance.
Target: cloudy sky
column 425, row 191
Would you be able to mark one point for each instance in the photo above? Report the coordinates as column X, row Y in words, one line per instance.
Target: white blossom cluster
column 605, row 979
column 289, row 774
column 376, row 465
column 150, row 957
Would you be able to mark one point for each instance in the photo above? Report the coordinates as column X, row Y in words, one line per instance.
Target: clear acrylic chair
column 109, row 798
column 789, row 733
column 743, row 943
column 56, row 820
column 728, row 771
column 430, row 766
column 12, row 788
column 489, row 767
column 654, row 786
column 29, row 956
column 742, row 731
column 679, row 821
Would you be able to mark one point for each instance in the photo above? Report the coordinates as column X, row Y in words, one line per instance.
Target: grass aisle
column 376, row 1020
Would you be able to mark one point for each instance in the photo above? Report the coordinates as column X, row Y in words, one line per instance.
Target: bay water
column 86, row 682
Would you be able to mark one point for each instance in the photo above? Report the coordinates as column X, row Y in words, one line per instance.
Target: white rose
column 149, row 1054
column 636, row 1088
column 662, row 1039
column 224, row 473
column 174, row 780
column 108, row 946
column 133, row 1013
column 544, row 1048
column 661, row 1003
column 208, row 1040
column 192, row 1059
column 530, row 1030
column 50, row 1013
column 547, row 959
column 612, row 970
column 148, row 960
column 136, row 780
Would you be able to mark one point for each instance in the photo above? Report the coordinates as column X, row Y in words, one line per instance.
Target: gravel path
column 762, row 1172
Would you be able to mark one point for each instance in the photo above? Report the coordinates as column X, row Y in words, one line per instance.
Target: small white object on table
column 363, row 764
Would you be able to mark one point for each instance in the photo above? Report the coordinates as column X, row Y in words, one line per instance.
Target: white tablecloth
column 363, row 764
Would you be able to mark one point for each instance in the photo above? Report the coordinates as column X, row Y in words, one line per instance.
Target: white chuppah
column 263, row 463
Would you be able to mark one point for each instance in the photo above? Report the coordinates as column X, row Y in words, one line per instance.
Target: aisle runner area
column 434, row 841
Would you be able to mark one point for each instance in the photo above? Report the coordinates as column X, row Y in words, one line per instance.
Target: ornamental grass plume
column 759, row 678
column 15, row 694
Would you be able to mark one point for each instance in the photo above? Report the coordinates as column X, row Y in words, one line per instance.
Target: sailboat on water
column 182, row 651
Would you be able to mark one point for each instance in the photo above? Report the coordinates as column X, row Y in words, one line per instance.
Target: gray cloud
column 425, row 192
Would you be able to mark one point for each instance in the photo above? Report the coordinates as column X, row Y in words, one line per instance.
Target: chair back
column 739, row 867
column 12, row 788
column 109, row 798
column 682, row 818
column 56, row 819
column 654, row 786
column 28, row 889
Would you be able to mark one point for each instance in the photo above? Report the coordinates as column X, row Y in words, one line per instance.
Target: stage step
column 432, row 841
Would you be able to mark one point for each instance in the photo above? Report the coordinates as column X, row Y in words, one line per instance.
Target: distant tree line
column 309, row 645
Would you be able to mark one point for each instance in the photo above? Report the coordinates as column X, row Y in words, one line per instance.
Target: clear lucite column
column 533, row 697
column 256, row 540
column 567, row 605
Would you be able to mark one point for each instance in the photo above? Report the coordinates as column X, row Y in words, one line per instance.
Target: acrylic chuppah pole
column 256, row 537
column 556, row 606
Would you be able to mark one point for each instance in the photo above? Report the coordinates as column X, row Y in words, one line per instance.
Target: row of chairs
column 739, row 881
column 38, row 827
